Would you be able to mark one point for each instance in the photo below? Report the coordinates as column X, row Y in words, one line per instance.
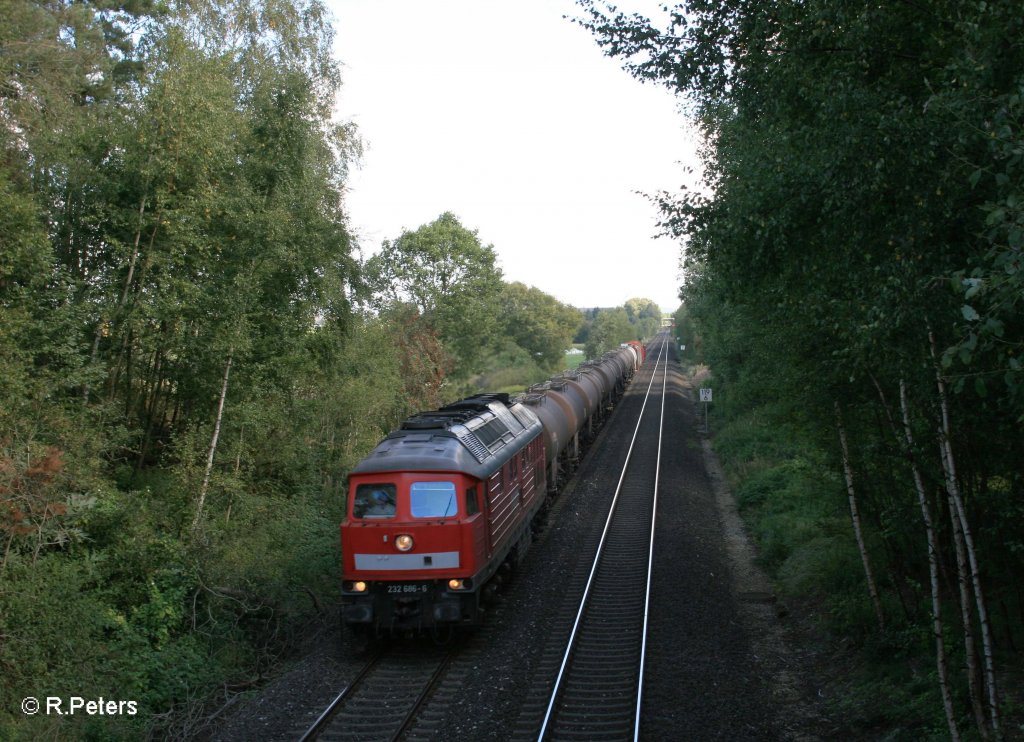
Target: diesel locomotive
column 442, row 510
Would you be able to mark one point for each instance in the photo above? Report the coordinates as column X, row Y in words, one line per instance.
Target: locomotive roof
column 475, row 435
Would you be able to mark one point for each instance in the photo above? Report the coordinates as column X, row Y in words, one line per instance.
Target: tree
column 538, row 323
column 452, row 280
column 611, row 328
column 686, row 334
column 638, row 309
column 174, row 282
column 645, row 315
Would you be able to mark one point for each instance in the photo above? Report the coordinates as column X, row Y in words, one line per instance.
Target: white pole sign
column 705, row 397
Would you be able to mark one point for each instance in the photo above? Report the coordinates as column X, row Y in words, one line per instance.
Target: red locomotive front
column 436, row 511
column 408, row 532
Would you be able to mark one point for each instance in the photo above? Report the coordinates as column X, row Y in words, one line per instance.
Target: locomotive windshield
column 433, row 500
column 374, row 501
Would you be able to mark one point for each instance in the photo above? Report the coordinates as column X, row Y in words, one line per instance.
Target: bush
column 793, row 501
column 61, row 640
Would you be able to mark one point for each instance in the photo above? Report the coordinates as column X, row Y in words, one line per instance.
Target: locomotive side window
column 374, row 501
column 433, row 500
column 472, row 505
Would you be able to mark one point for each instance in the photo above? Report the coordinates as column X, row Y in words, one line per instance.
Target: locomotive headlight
column 403, row 542
column 356, row 587
column 455, row 584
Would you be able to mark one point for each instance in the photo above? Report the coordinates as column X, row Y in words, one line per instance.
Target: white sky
column 509, row 116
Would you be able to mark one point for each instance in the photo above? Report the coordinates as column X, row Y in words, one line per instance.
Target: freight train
column 442, row 510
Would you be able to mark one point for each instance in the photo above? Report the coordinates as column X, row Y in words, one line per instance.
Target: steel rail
column 600, row 548
column 327, row 717
column 409, row 717
column 314, row 731
column 650, row 559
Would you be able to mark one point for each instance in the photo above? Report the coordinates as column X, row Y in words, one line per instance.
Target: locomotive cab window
column 374, row 501
column 433, row 500
column 472, row 504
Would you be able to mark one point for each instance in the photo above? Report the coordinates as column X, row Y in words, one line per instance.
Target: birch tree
column 858, row 531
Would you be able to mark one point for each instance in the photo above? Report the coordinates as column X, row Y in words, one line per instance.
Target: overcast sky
column 509, row 116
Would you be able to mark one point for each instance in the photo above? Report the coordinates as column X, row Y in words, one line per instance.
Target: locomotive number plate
column 408, row 589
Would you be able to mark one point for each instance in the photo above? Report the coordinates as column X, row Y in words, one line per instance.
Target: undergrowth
column 793, row 501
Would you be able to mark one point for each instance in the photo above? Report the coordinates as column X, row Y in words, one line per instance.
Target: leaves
column 170, row 196
column 450, row 277
column 538, row 323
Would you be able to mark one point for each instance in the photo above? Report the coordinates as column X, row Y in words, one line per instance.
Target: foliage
column 610, row 328
column 493, row 335
column 452, row 280
column 171, row 188
column 862, row 197
column 644, row 315
column 606, row 329
column 992, row 290
column 538, row 323
column 509, row 368
column 687, row 336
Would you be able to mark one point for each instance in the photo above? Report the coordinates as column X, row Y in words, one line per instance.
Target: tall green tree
column 450, row 277
column 175, row 275
column 610, row 329
column 645, row 315
column 538, row 323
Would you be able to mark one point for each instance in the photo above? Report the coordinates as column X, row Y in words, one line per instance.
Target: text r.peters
column 97, row 707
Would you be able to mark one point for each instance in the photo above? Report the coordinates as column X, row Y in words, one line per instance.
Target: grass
column 794, row 504
column 574, row 360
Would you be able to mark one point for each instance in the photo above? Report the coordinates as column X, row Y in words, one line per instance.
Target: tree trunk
column 7, row 551
column 213, row 442
column 156, row 395
column 238, row 466
column 855, row 516
column 966, row 614
column 124, row 293
column 135, row 254
column 959, row 517
column 934, row 565
column 933, row 572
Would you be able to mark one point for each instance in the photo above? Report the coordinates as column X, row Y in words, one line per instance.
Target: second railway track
column 597, row 690
column 596, row 694
column 383, row 699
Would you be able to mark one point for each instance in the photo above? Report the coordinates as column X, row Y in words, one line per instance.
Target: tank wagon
column 442, row 510
column 639, row 350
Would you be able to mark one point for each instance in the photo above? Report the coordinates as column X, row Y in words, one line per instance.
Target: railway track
column 385, row 696
column 595, row 682
column 502, row 683
column 597, row 691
